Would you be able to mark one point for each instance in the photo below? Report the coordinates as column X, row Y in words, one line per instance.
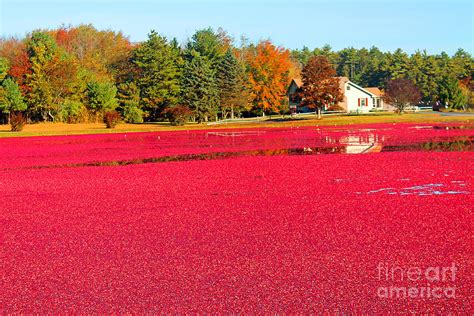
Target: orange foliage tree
column 104, row 54
column 269, row 68
column 14, row 51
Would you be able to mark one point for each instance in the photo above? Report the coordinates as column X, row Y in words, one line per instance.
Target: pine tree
column 209, row 44
column 229, row 83
column 159, row 66
column 452, row 94
column 200, row 90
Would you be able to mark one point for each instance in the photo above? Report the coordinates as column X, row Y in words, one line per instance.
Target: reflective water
column 340, row 148
column 141, row 148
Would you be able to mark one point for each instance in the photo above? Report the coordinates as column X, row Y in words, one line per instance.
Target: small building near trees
column 356, row 98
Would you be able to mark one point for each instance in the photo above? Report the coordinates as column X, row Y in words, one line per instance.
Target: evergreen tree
column 159, row 72
column 208, row 44
column 462, row 64
column 200, row 90
column 452, row 94
column 422, row 72
column 230, row 80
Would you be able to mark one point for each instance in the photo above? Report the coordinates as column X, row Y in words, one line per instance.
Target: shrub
column 101, row 97
column 71, row 111
column 133, row 114
column 178, row 115
column 111, row 119
column 336, row 107
column 17, row 121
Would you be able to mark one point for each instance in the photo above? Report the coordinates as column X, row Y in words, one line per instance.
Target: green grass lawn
column 43, row 129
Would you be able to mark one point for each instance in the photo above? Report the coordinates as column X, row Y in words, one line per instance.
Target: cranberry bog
column 371, row 219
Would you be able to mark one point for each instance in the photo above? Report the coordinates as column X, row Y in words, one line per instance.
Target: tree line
column 76, row 74
column 440, row 78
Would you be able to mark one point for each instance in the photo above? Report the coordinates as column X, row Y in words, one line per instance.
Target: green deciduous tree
column 71, row 111
column 128, row 96
column 52, row 78
column 41, row 49
column 11, row 99
column 101, row 97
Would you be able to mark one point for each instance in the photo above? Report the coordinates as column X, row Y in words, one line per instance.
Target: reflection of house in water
column 358, row 144
column 356, row 98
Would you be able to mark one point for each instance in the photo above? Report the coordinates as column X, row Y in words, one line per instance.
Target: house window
column 378, row 103
column 348, row 88
column 362, row 101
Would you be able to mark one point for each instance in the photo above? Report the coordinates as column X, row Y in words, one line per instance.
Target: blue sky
column 433, row 25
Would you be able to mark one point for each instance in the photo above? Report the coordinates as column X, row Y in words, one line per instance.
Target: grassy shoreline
column 52, row 129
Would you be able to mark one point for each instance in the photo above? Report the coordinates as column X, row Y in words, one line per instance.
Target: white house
column 356, row 99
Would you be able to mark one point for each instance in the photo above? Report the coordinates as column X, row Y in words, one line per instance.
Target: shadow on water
column 461, row 144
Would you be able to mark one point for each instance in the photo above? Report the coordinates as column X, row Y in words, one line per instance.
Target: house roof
column 375, row 90
column 371, row 91
column 342, row 81
column 298, row 82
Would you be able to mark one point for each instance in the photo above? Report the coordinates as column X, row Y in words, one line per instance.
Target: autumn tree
column 14, row 51
column 320, row 87
column 52, row 77
column 401, row 93
column 269, row 66
column 159, row 66
column 104, row 54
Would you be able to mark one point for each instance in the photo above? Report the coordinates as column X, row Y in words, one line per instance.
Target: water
column 143, row 148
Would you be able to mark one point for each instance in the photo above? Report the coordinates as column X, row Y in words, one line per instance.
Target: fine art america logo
column 416, row 282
